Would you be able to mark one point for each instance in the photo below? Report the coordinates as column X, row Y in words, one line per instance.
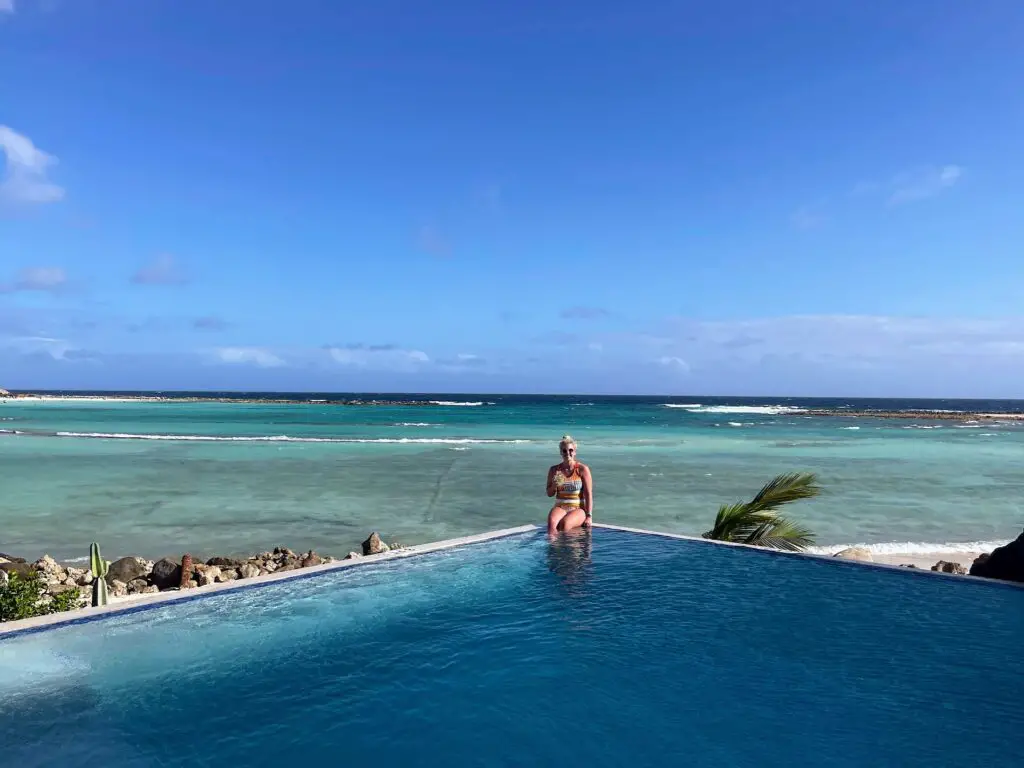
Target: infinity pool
column 603, row 648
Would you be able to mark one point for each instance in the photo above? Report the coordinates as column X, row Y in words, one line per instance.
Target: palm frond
column 756, row 522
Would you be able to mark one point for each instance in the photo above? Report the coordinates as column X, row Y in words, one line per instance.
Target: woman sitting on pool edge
column 571, row 485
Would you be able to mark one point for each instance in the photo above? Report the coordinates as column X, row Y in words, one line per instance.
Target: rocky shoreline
column 29, row 396
column 917, row 415
column 131, row 576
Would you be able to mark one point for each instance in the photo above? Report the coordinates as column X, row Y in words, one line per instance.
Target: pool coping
column 148, row 602
column 839, row 561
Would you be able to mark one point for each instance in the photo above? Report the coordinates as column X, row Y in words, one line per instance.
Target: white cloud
column 25, row 174
column 6, row 6
column 163, row 270
column 249, row 356
column 923, row 183
column 670, row 361
column 50, row 279
column 382, row 357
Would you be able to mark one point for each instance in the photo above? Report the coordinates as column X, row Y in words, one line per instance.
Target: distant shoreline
column 932, row 415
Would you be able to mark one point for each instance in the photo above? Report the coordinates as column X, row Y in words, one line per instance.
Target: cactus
column 99, row 575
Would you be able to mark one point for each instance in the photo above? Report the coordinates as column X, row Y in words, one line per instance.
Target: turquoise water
column 604, row 649
column 230, row 478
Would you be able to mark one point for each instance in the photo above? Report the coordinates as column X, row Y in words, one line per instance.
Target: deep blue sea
column 602, row 649
column 161, row 478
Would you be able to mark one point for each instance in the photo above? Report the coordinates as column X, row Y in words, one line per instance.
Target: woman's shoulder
column 583, row 467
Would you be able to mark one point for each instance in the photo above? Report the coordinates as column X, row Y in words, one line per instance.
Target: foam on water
column 914, row 547
column 768, row 410
column 285, row 438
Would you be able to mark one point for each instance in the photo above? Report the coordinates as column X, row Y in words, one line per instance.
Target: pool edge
column 838, row 561
column 85, row 615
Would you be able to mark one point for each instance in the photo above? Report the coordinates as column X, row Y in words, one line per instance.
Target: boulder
column 222, row 562
column 248, row 571
column 166, row 574
column 210, row 575
column 48, row 565
column 227, row 574
column 118, row 588
column 85, row 578
column 1005, row 562
column 855, row 553
column 127, row 569
column 150, row 589
column 945, row 566
column 374, row 545
column 4, row 578
column 136, row 586
column 11, row 558
column 309, row 559
column 25, row 570
column 352, row 556
column 284, row 551
column 56, row 589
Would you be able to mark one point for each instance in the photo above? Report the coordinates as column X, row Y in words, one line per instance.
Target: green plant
column 756, row 521
column 21, row 598
column 99, row 575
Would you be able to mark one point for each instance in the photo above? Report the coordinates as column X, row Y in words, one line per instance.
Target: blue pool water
column 603, row 648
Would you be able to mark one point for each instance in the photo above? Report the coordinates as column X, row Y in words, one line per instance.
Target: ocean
column 222, row 478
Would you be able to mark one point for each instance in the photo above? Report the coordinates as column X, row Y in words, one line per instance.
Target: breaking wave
column 914, row 547
column 284, row 438
column 767, row 410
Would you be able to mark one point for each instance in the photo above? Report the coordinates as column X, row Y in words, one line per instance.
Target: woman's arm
column 588, row 491
column 551, row 481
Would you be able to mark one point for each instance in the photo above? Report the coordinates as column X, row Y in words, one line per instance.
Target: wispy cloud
column 675, row 363
column 807, row 217
column 210, row 323
column 430, row 239
column 923, row 183
column 6, row 6
column 258, row 356
column 584, row 313
column 26, row 167
column 164, row 270
column 45, row 279
column 377, row 356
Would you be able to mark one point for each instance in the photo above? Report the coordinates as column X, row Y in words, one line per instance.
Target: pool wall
column 146, row 602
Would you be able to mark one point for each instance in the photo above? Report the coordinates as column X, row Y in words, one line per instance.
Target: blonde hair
column 566, row 440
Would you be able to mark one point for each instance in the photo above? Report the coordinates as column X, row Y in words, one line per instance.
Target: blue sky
column 818, row 197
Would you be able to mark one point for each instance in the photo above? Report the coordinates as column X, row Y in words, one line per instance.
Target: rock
column 309, row 559
column 286, row 567
column 374, row 545
column 1005, row 562
column 209, row 576
column 186, row 571
column 150, row 589
column 227, row 574
column 56, row 589
column 222, row 562
column 855, row 553
column 352, row 556
column 945, row 566
column 166, row 574
column 25, row 570
column 248, row 571
column 85, row 578
column 137, row 585
column 127, row 569
column 270, row 565
column 76, row 574
column 284, row 551
column 118, row 588
column 86, row 594
column 4, row 578
column 47, row 565
column 11, row 558
column 907, row 565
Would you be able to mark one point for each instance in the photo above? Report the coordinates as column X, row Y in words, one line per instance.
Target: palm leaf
column 756, row 522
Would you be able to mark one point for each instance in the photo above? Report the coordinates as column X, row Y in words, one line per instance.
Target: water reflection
column 569, row 559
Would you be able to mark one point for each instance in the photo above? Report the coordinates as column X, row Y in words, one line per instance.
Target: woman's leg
column 574, row 518
column 555, row 518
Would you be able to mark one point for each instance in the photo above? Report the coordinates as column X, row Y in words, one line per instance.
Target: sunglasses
column 568, row 451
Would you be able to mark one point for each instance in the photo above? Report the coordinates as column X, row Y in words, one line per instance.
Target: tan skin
column 566, row 519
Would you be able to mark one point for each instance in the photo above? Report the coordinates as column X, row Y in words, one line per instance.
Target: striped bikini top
column 568, row 487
